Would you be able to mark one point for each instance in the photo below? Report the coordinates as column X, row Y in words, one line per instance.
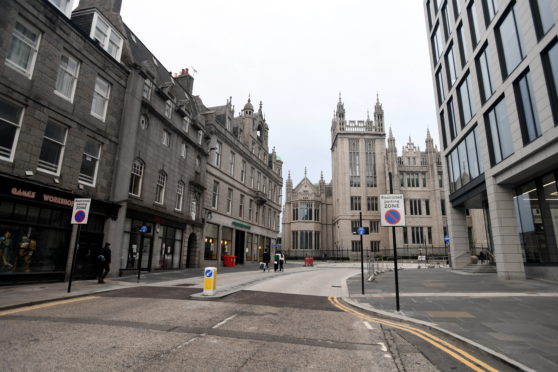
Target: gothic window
column 354, row 166
column 370, row 164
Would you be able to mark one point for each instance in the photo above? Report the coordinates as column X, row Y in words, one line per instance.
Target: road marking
column 367, row 325
column 48, row 304
column 384, row 348
column 457, row 353
column 224, row 321
column 464, row 294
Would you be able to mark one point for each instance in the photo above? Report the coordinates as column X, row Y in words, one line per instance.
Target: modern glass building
column 495, row 74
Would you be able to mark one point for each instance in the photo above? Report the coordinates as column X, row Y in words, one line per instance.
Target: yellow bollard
column 209, row 281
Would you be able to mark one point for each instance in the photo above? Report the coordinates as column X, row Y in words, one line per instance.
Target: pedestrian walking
column 103, row 262
column 266, row 259
column 276, row 259
column 281, row 261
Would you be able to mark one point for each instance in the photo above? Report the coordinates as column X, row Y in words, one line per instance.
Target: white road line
column 224, row 321
column 384, row 348
column 368, row 325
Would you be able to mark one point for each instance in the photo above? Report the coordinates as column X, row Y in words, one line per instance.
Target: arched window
column 136, row 177
column 160, row 188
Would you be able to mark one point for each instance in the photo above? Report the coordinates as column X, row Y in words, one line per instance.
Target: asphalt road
column 161, row 328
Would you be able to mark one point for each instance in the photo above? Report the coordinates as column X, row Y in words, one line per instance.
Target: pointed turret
column 391, row 141
column 340, row 112
column 429, row 141
column 248, row 109
column 379, row 115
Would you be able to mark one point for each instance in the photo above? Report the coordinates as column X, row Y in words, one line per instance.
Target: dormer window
column 108, row 38
column 65, row 6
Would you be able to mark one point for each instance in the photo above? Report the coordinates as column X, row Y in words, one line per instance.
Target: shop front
column 35, row 233
column 536, row 204
column 154, row 242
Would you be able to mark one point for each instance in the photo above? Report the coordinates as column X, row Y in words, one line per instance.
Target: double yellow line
column 48, row 304
column 460, row 355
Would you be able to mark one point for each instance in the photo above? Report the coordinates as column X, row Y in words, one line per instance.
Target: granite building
column 319, row 219
column 60, row 110
column 495, row 75
column 159, row 175
column 244, row 182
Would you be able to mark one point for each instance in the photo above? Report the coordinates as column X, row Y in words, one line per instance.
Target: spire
column 261, row 106
column 368, row 115
column 378, row 114
column 322, row 176
column 340, row 112
column 391, row 142
column 305, row 172
column 429, row 141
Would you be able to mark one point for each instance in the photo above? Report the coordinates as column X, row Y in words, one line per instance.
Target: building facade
column 244, row 182
column 60, row 107
column 319, row 219
column 495, row 74
column 159, row 176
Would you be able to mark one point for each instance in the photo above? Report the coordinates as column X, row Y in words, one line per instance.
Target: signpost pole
column 74, row 259
column 140, row 250
column 394, row 253
column 361, row 257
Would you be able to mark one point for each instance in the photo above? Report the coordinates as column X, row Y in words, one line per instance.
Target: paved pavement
column 516, row 319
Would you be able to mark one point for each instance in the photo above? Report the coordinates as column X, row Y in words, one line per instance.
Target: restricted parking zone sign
column 80, row 214
column 392, row 210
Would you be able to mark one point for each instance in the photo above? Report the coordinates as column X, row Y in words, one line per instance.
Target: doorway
column 192, row 241
column 239, row 246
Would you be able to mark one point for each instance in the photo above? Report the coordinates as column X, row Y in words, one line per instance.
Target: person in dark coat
column 103, row 262
column 266, row 259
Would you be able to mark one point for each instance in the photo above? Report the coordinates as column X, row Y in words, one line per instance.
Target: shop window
column 537, row 219
column 210, row 242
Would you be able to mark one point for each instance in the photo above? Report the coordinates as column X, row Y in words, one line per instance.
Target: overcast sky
column 296, row 57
